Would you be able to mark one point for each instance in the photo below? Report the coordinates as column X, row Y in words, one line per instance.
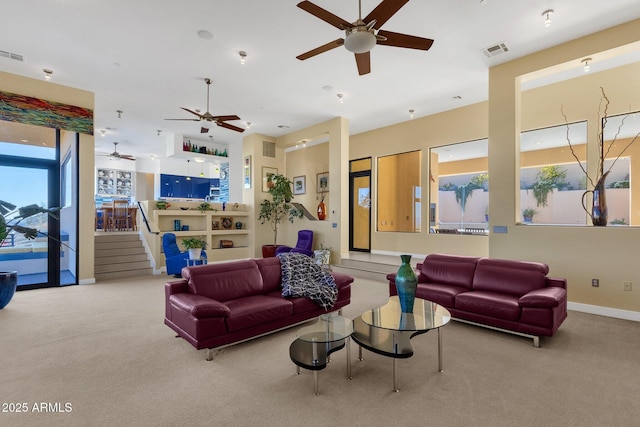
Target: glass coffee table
column 387, row 331
column 314, row 344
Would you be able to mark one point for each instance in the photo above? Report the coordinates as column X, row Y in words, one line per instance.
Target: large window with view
column 459, row 196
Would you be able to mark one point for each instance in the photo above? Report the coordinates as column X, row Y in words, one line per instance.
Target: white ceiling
column 145, row 58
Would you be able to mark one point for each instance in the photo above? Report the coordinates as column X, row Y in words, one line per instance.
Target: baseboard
column 604, row 311
column 87, row 281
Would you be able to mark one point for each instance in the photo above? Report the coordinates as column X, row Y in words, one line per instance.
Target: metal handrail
column 144, row 218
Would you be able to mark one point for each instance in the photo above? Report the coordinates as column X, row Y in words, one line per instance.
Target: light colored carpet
column 103, row 349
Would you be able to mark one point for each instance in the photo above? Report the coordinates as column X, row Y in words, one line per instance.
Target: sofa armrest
column 199, row 306
column 543, row 298
column 555, row 282
column 176, row 287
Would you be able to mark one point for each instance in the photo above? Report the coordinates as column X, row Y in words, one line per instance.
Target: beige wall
column 576, row 253
column 58, row 93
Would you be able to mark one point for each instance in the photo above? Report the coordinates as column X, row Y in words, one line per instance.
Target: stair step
column 119, row 251
column 124, row 274
column 118, row 244
column 108, row 237
column 120, row 257
column 123, row 266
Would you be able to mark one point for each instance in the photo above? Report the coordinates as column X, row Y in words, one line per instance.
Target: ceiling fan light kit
column 364, row 34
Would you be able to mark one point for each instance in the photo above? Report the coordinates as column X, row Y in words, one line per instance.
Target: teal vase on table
column 406, row 283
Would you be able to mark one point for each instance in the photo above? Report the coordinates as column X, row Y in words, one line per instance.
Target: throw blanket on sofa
column 302, row 277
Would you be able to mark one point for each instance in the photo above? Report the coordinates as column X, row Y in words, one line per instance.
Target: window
column 459, row 196
column 399, row 205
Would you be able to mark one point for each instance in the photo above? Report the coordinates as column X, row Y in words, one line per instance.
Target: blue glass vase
column 406, row 283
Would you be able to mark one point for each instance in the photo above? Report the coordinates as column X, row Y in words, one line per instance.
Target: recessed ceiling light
column 204, row 34
column 283, row 126
column 327, row 87
column 457, row 97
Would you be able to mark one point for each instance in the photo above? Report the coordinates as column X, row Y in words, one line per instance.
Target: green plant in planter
column 204, row 206
column 528, row 213
column 279, row 208
column 194, row 243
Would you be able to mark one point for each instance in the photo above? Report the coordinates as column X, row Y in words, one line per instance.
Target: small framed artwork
column 299, row 184
column 322, row 182
column 267, row 174
column 227, row 222
column 247, row 172
column 215, row 225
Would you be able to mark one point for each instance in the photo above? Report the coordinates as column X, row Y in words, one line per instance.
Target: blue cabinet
column 181, row 187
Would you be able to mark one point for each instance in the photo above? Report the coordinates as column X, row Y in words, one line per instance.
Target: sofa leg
column 211, row 353
column 536, row 342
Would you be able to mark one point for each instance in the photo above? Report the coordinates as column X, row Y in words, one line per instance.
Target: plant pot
column 527, row 218
column 269, row 251
column 195, row 253
column 8, row 283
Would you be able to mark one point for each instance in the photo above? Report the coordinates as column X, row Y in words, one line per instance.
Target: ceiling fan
column 207, row 117
column 364, row 34
column 117, row 155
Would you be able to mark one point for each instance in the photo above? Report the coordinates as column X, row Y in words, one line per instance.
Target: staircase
column 120, row 255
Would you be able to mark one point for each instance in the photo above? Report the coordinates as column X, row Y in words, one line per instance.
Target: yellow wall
column 576, row 253
column 58, row 93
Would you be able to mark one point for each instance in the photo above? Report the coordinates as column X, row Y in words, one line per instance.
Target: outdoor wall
column 54, row 92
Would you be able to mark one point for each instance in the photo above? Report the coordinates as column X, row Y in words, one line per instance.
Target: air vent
column 268, row 149
column 9, row 55
column 495, row 50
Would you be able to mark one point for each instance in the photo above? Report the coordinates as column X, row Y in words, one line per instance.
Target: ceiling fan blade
column 192, row 112
column 223, row 118
column 321, row 49
column 404, row 40
column 363, row 60
column 385, row 10
column 325, row 15
column 228, row 126
column 126, row 157
column 204, row 129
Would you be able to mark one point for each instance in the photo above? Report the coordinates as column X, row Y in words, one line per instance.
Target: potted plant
column 194, row 245
column 528, row 214
column 10, row 220
column 278, row 209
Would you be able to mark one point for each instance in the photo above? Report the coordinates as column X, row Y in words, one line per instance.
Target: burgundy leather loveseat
column 216, row 305
column 514, row 296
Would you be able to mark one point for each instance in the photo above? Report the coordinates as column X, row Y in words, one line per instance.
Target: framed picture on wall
column 322, row 182
column 267, row 174
column 299, row 184
column 246, row 169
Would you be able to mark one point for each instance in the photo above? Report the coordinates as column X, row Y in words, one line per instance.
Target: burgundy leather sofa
column 216, row 305
column 513, row 296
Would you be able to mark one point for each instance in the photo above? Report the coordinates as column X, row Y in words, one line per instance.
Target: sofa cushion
column 271, row 273
column 491, row 304
column 225, row 281
column 440, row 294
column 448, row 270
column 255, row 310
column 514, row 278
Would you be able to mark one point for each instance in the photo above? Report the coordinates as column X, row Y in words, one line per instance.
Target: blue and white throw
column 301, row 277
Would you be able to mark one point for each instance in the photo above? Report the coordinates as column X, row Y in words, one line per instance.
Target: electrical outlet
column 595, row 283
column 627, row 286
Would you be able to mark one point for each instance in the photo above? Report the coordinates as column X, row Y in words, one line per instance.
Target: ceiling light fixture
column 586, row 67
column 248, row 125
column 360, row 39
column 211, row 138
column 411, row 111
column 202, row 169
column 47, row 74
column 159, row 131
column 188, row 176
column 243, row 56
column 547, row 17
column 119, row 113
column 103, row 133
column 340, row 98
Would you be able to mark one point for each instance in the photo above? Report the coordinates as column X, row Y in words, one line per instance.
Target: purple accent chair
column 303, row 246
